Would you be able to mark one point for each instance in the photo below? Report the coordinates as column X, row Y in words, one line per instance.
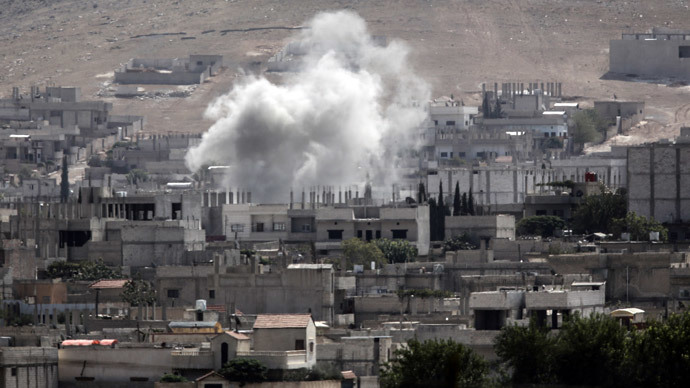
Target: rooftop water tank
column 200, row 305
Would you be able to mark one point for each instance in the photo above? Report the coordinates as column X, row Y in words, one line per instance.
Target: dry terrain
column 456, row 45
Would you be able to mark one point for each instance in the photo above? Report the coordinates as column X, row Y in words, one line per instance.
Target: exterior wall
column 174, row 78
column 295, row 290
column 29, row 367
column 497, row 300
column 120, row 364
column 655, row 57
column 659, row 181
column 362, row 355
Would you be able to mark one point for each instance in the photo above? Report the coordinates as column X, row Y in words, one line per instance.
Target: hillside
column 455, row 45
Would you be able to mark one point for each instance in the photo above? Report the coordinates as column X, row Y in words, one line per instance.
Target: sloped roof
column 282, row 321
column 112, row 283
column 236, row 335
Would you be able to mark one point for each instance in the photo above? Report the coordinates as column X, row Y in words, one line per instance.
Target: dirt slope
column 456, row 44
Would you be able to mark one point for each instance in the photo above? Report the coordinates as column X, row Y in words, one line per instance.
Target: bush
column 544, row 226
column 244, row 370
column 462, row 242
column 528, row 351
column 172, row 378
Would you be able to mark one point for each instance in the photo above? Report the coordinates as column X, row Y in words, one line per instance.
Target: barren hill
column 456, row 45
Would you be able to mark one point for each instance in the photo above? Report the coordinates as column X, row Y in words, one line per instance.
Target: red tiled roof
column 235, row 335
column 103, row 284
column 281, row 321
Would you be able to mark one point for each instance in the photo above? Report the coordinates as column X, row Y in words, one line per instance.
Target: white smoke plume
column 349, row 112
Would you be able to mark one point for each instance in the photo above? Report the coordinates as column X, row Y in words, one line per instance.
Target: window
column 684, row 52
column 399, row 233
column 546, row 134
column 335, row 234
column 541, row 212
column 359, row 234
column 259, row 226
column 435, row 122
column 173, row 293
column 299, row 344
column 199, row 63
column 237, row 227
column 444, row 154
column 278, row 226
column 306, row 228
column 14, row 371
column 212, row 294
column 378, row 234
column 311, row 347
column 450, row 122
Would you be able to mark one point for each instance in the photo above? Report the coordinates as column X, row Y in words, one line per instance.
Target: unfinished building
column 169, row 71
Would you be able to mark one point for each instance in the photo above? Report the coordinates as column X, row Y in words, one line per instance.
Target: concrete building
column 659, row 182
column 496, row 309
column 660, row 53
column 169, row 71
column 326, row 225
column 481, row 227
column 283, row 341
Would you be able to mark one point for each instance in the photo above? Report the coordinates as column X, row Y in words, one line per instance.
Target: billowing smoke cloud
column 350, row 111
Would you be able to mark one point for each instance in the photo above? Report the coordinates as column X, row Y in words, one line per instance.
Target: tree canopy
column 596, row 213
column 83, row 270
column 639, row 227
column 244, row 370
column 139, row 293
column 396, row 251
column 361, row 252
column 64, row 181
column 544, row 226
column 434, row 363
column 598, row 351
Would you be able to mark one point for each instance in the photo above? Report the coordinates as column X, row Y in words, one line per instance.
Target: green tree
column 396, row 251
column 529, row 353
column 172, row 378
column 461, row 242
column 433, row 220
column 64, row 181
column 464, row 210
column 486, row 108
column 244, row 370
column 421, row 193
column 443, row 212
column 639, row 227
column 659, row 356
column 435, row 363
column 470, row 204
column 544, row 226
column 585, row 128
column 497, row 112
column 596, row 213
column 591, row 351
column 137, row 176
column 457, row 203
column 361, row 252
column 139, row 293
